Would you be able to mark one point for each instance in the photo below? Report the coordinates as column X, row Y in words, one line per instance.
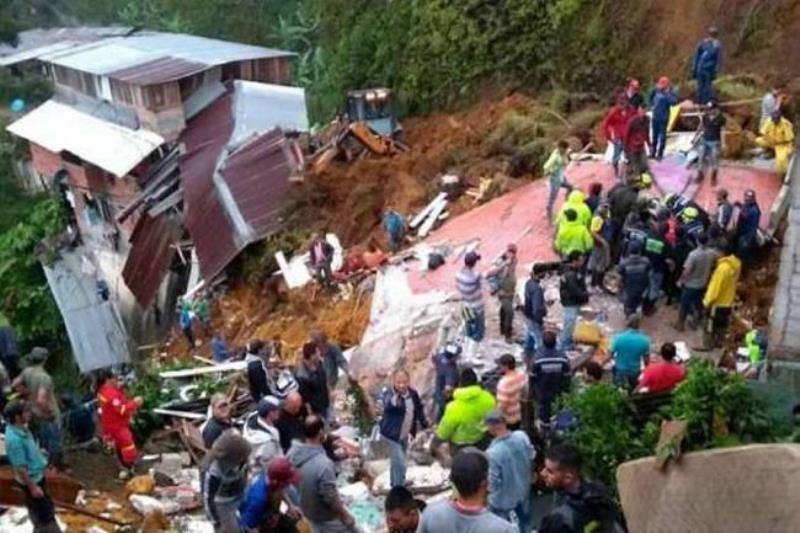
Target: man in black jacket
column 534, row 309
column 257, row 377
column 581, row 505
column 635, row 271
column 550, row 376
column 313, row 382
column 573, row 292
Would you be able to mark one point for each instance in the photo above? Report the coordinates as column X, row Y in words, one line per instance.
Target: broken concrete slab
column 741, row 489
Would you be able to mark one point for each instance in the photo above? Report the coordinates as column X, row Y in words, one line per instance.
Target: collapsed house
column 416, row 309
column 164, row 148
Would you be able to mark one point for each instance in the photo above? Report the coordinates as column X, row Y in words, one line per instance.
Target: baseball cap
column 38, row 355
column 281, row 472
column 494, row 417
column 506, row 360
column 267, row 405
column 471, row 258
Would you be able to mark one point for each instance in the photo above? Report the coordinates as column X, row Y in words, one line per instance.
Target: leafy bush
column 720, row 409
column 606, row 435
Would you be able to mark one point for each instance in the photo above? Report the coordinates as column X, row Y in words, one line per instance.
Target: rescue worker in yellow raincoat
column 777, row 134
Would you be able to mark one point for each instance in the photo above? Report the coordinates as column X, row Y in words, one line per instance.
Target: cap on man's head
column 267, row 405
column 38, row 355
column 495, row 417
column 713, row 31
column 506, row 360
column 471, row 258
column 281, row 472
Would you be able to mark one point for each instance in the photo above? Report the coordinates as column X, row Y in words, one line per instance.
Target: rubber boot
column 714, row 177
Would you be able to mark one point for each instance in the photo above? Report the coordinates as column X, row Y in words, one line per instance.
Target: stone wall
column 785, row 317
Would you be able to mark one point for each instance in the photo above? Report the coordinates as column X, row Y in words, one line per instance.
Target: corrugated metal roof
column 110, row 56
column 233, row 191
column 150, row 256
column 32, row 53
column 60, row 128
column 286, row 105
column 205, row 217
column 40, row 37
column 94, row 326
column 257, row 175
column 159, row 70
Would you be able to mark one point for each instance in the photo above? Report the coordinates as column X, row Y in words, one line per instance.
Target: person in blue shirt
column 630, row 349
column 706, row 65
column 219, row 348
column 747, row 224
column 260, row 509
column 186, row 323
column 662, row 98
column 395, row 226
column 445, row 362
column 28, row 463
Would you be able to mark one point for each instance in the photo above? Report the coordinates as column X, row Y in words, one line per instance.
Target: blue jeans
column 565, row 341
column 48, row 433
column 691, row 302
column 705, row 87
column 397, row 460
column 709, row 154
column 551, row 200
column 656, row 284
column 629, row 380
column 475, row 325
column 617, row 154
column 523, row 512
column 659, row 137
column 533, row 337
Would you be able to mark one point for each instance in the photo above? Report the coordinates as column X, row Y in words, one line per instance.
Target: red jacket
column 116, row 409
column 616, row 121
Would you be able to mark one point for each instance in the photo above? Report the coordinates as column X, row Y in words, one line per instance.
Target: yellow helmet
column 646, row 180
column 690, row 213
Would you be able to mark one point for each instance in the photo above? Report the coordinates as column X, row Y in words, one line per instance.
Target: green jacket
column 462, row 422
column 573, row 236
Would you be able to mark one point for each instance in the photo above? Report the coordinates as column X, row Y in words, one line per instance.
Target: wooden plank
column 427, row 226
column 417, row 220
column 179, row 414
column 199, row 371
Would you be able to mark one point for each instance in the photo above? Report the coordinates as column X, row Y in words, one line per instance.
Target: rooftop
column 154, row 57
column 61, row 128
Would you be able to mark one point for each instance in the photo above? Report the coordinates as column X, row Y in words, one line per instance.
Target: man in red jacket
column 637, row 135
column 614, row 125
column 116, row 411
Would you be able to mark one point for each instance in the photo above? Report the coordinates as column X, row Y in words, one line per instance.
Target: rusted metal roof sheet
column 204, row 215
column 159, row 70
column 233, row 189
column 150, row 256
column 257, row 175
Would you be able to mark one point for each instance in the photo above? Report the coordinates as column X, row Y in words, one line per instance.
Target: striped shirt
column 468, row 284
column 509, row 393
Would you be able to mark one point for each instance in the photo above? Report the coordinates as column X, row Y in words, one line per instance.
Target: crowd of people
column 278, row 465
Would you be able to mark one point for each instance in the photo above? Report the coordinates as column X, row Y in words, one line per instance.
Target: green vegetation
column 718, row 407
column 24, row 294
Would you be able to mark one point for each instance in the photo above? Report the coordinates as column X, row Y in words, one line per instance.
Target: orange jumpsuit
column 116, row 410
